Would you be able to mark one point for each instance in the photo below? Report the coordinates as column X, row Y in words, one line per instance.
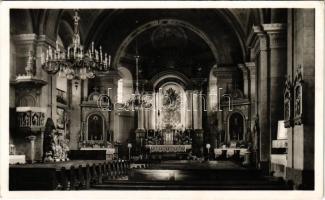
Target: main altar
column 165, row 128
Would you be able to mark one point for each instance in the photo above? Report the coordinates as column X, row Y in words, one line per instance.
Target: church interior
column 176, row 99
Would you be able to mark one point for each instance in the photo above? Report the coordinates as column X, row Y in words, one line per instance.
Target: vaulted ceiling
column 190, row 41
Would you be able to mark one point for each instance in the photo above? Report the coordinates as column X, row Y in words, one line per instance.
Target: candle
column 100, row 53
column 50, row 52
column 109, row 61
column 92, row 47
column 42, row 58
column 105, row 62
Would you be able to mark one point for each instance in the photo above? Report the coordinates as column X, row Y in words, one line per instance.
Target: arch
column 171, row 106
column 21, row 21
column 49, row 23
column 170, row 76
column 230, row 114
column 102, row 128
column 235, row 25
column 121, row 49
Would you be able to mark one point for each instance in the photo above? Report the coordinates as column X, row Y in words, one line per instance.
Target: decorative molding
column 44, row 40
column 298, row 94
column 24, row 39
column 274, row 27
column 224, row 72
column 287, row 107
column 277, row 40
column 252, row 68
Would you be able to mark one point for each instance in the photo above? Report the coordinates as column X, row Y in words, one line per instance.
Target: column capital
column 224, row 72
column 44, row 40
column 31, row 138
column 25, row 38
column 274, row 27
column 252, row 68
column 243, row 68
column 276, row 33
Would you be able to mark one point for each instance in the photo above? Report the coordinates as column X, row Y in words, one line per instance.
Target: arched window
column 95, row 127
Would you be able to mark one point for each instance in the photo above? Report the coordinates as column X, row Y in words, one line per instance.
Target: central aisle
column 194, row 175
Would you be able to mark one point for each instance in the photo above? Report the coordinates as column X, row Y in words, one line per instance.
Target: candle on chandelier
column 42, row 58
column 96, row 54
column 109, row 61
column 105, row 61
column 47, row 55
column 51, row 53
column 92, row 47
column 100, row 53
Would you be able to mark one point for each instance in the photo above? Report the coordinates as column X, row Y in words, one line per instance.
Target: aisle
column 194, row 175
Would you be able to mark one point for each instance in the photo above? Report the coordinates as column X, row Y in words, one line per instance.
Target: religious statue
column 256, row 131
column 55, row 146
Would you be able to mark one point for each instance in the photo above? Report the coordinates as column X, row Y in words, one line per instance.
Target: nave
column 162, row 99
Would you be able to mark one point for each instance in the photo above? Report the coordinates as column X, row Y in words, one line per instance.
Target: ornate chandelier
column 75, row 62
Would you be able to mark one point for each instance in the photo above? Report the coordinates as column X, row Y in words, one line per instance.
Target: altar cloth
column 168, row 148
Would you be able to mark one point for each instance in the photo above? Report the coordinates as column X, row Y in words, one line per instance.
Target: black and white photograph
column 163, row 98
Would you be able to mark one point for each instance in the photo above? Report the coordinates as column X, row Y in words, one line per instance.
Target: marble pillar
column 252, row 94
column 260, row 50
column 189, row 109
column 277, row 69
column 30, row 157
column 196, row 109
column 48, row 92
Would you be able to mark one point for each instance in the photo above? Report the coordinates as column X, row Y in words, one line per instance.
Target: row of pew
column 70, row 175
column 77, row 178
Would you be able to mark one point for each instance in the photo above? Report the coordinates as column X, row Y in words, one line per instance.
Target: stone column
column 31, row 150
column 197, row 123
column 85, row 90
column 195, row 109
column 277, row 70
column 43, row 44
column 244, row 69
column 108, row 82
column 301, row 137
column 140, row 118
column 199, row 111
column 263, row 99
column 252, row 94
column 189, row 110
column 75, row 113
